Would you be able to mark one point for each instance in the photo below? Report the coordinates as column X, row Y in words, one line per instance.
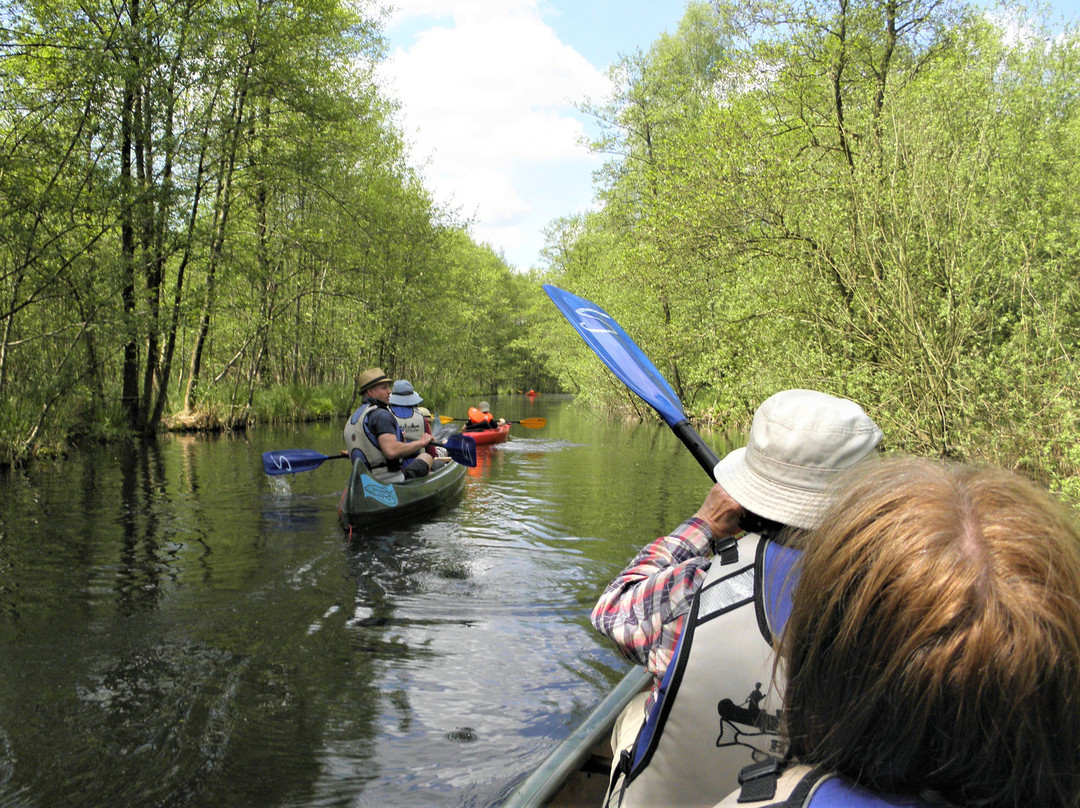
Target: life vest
column 717, row 707
column 359, row 437
column 410, row 420
column 801, row 786
column 480, row 421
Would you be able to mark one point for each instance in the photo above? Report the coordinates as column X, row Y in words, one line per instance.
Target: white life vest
column 359, row 437
column 717, row 707
column 412, row 423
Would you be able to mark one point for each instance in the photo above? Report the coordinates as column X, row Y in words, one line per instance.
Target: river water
column 179, row 629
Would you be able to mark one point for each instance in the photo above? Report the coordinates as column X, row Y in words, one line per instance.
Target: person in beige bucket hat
column 800, row 441
column 480, row 419
column 767, row 493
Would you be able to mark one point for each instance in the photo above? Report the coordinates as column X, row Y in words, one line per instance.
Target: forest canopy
column 206, row 202
column 876, row 198
column 208, row 215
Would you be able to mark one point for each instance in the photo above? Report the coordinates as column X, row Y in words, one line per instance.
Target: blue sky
column 487, row 91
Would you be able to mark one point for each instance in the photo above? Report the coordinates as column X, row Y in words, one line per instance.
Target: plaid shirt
column 643, row 610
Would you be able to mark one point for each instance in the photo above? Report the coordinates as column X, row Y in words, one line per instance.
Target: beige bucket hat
column 800, row 441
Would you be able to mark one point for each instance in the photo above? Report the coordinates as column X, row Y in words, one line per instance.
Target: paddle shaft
column 528, row 423
column 705, row 456
column 461, row 449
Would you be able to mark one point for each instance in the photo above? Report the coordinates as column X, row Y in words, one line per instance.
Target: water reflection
column 179, row 629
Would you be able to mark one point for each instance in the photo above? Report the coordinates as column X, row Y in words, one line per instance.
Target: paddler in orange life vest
column 481, row 419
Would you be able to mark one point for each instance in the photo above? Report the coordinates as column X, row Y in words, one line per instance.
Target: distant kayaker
column 480, row 419
column 933, row 646
column 374, row 433
column 774, row 488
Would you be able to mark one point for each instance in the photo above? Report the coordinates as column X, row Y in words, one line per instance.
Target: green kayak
column 366, row 502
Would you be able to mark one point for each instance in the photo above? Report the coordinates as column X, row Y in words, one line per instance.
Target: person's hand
column 426, row 438
column 720, row 512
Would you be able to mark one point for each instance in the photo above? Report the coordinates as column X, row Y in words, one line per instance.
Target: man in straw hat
column 696, row 607
column 373, row 433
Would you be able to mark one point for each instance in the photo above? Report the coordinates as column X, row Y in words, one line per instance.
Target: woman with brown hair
column 933, row 645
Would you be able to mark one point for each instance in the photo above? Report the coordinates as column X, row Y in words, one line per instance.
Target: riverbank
column 22, row 440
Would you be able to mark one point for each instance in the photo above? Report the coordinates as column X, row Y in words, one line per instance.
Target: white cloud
column 487, row 92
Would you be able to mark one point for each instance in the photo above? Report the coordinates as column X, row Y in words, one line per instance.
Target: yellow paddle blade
column 446, row 419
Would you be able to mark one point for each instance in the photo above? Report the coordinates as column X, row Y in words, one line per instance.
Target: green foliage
column 207, row 212
column 871, row 198
column 300, row 403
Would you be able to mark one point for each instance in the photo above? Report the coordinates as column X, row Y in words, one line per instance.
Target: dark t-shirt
column 381, row 422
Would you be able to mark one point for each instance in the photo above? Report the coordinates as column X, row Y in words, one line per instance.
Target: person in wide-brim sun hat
column 403, row 394
column 374, row 435
column 371, row 377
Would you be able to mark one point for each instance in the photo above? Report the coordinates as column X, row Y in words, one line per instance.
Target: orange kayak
column 487, row 436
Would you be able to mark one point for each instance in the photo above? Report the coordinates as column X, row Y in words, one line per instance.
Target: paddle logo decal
column 379, row 491
column 620, row 353
column 592, row 320
column 280, row 462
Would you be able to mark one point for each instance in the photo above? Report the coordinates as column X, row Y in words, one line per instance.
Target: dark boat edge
column 572, row 756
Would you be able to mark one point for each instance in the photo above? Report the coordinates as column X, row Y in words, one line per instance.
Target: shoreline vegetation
column 876, row 199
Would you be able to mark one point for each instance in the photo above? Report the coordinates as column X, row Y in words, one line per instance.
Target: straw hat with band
column 800, row 441
column 371, row 377
column 404, row 395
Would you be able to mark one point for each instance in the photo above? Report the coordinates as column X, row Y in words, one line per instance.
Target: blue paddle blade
column 461, row 448
column 620, row 353
column 293, row 461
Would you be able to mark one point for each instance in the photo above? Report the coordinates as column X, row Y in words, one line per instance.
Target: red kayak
column 487, row 436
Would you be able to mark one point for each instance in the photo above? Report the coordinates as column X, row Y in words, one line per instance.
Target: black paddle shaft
column 698, row 448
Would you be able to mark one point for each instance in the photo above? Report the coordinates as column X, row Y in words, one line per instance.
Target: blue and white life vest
column 360, row 438
column 717, row 707
column 702, row 740
column 411, row 422
column 800, row 786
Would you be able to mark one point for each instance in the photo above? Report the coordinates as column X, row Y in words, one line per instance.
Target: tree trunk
column 223, row 201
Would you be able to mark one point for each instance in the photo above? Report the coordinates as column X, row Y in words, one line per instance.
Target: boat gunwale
column 415, row 496
column 550, row 777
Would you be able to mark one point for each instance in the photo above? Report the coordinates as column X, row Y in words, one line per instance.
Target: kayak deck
column 365, row 501
column 488, row 436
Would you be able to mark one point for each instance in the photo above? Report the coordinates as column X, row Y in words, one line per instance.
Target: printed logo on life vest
column 379, row 491
column 739, row 723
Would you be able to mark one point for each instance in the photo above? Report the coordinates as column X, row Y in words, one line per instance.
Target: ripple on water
column 195, row 633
